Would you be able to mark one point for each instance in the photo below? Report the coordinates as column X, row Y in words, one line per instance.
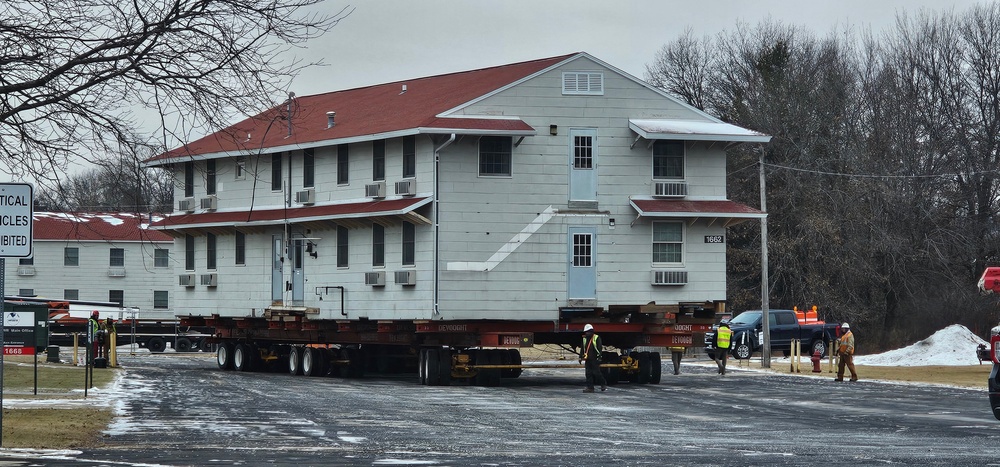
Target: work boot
column 588, row 390
column 853, row 380
column 839, row 380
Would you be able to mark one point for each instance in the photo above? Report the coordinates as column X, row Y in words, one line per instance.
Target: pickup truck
column 785, row 327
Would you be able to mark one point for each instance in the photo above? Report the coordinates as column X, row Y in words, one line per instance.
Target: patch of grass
column 52, row 427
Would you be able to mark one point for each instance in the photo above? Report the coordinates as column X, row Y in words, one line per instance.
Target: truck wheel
column 818, row 345
column 515, row 359
column 644, row 368
column 493, row 358
column 478, row 357
column 156, row 345
column 225, row 356
column 655, row 367
column 295, row 360
column 743, row 351
column 422, row 367
column 312, row 362
column 183, row 344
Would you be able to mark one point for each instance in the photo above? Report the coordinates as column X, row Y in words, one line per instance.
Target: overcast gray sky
column 390, row 40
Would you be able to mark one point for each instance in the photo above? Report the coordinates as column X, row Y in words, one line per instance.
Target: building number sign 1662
column 715, row 239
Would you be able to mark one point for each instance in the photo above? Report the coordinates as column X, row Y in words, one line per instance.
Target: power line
column 842, row 174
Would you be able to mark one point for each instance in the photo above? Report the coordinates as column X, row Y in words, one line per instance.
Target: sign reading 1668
column 715, row 239
column 15, row 220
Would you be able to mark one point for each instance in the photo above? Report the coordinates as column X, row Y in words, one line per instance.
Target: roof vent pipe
column 329, row 119
column 403, row 91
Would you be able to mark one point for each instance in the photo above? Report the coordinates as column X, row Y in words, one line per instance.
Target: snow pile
column 952, row 346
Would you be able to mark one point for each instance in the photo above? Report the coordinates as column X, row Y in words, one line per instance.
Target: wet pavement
column 179, row 409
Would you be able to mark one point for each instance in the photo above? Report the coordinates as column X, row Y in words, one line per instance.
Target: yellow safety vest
column 722, row 337
column 586, row 346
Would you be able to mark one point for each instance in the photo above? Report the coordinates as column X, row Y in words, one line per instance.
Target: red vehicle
column 990, row 283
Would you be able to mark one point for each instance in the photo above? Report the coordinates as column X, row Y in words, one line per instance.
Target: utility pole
column 764, row 295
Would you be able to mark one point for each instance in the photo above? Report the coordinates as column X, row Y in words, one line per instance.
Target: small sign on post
column 16, row 221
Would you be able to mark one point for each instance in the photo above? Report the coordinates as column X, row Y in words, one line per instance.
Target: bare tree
column 75, row 72
column 120, row 185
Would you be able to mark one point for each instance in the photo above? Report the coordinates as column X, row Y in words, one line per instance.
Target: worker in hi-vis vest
column 723, row 339
column 93, row 331
column 590, row 352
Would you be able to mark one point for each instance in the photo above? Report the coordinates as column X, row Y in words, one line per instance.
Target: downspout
column 437, row 220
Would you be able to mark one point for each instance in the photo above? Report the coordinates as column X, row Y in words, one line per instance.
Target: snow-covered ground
column 952, row 346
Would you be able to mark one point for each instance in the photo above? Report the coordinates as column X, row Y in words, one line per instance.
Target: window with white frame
column 188, row 252
column 495, row 156
column 241, row 168
column 342, row 247
column 71, row 256
column 378, row 160
column 241, row 248
column 117, row 258
column 378, row 245
column 188, row 179
column 668, row 242
column 161, row 258
column 71, row 294
column 668, row 160
column 409, row 244
column 25, row 292
column 276, row 172
column 409, row 156
column 308, row 168
column 161, row 299
column 589, row 83
column 117, row 296
column 210, row 251
column 210, row 177
column 343, row 164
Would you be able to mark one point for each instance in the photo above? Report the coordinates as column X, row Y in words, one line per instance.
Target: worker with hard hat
column 846, row 353
column 723, row 337
column 590, row 352
column 93, row 331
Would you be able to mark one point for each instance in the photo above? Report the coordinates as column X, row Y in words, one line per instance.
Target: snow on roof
column 694, row 130
column 954, row 345
column 82, row 226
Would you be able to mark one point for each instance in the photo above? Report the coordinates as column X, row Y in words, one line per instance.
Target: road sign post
column 16, row 221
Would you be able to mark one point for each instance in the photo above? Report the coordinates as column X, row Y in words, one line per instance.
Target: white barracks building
column 531, row 191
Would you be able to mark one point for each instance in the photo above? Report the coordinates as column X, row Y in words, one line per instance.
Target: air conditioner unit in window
column 406, row 277
column 375, row 278
column 670, row 277
column 185, row 204
column 375, row 190
column 307, row 196
column 116, row 272
column 211, row 280
column 25, row 270
column 406, row 187
column 210, row 203
column 186, row 280
column 670, row 189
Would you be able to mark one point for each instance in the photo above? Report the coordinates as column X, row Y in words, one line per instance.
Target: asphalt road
column 181, row 410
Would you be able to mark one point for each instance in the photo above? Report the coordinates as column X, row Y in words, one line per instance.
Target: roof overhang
column 724, row 211
column 689, row 130
column 342, row 213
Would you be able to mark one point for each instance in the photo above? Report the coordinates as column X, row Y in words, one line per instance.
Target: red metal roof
column 687, row 208
column 264, row 216
column 370, row 110
column 112, row 227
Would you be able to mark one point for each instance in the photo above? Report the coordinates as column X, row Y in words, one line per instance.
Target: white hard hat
column 845, row 326
column 587, row 327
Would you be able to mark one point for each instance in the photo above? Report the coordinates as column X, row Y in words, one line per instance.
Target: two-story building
column 559, row 190
column 98, row 257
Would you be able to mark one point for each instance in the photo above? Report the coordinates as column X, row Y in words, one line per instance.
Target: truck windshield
column 747, row 317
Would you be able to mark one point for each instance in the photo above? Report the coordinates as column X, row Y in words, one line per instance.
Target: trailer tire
column 432, row 364
column 183, row 344
column 493, row 358
column 295, row 360
column 656, row 367
column 644, row 368
column 444, row 367
column 224, row 357
column 243, row 357
column 312, row 362
column 478, row 357
column 515, row 359
column 156, row 344
column 203, row 345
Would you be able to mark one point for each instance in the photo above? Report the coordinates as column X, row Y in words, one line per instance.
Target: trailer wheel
column 183, row 344
column 312, row 362
column 225, row 356
column 243, row 357
column 493, row 358
column 422, row 367
column 444, row 367
column 644, row 368
column 431, row 364
column 295, row 360
column 743, row 351
column 656, row 367
column 156, row 344
column 515, row 359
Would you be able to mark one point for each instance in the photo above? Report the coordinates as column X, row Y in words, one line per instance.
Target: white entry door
column 583, row 164
column 582, row 263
